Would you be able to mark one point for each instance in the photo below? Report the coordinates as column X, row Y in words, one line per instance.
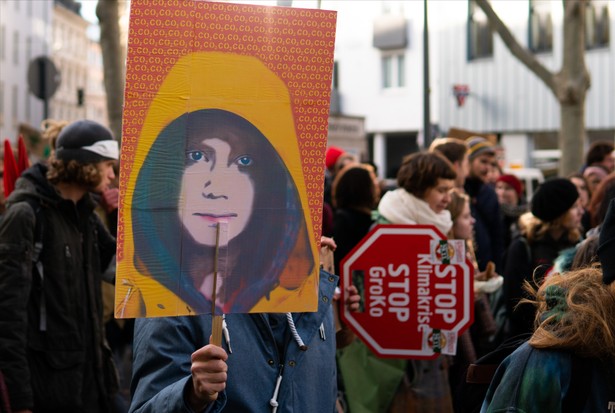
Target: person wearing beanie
column 510, row 197
column 489, row 229
column 594, row 175
column 331, row 156
column 552, row 226
column 335, row 160
column 53, row 251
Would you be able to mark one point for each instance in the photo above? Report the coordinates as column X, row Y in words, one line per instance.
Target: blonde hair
column 51, row 129
column 575, row 312
column 534, row 229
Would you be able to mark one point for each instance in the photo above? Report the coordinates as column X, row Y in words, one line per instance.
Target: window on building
column 597, row 24
column 393, row 70
column 480, row 36
column 541, row 26
column 16, row 47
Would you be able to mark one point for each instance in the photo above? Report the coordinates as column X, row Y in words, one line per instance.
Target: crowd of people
column 543, row 269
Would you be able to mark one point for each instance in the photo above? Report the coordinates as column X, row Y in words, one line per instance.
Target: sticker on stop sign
column 416, row 288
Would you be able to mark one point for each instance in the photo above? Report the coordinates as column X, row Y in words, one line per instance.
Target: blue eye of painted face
column 196, row 156
column 244, row 161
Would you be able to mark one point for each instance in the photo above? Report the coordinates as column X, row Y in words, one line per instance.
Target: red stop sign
column 416, row 288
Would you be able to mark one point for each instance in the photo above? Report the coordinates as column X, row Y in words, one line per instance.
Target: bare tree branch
column 521, row 53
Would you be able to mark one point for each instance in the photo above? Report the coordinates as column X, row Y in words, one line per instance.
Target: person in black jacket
column 53, row 252
column 550, row 227
column 355, row 195
column 489, row 234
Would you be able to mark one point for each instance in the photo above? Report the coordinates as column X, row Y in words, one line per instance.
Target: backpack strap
column 39, row 229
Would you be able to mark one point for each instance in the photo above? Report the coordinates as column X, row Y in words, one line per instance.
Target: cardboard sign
column 222, row 159
column 416, row 289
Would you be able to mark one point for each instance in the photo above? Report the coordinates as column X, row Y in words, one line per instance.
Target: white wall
column 360, row 88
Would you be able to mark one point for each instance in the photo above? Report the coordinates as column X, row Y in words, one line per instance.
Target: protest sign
column 225, row 126
column 416, row 288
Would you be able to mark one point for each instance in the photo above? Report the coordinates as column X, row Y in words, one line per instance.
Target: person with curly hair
column 53, row 251
column 568, row 363
column 400, row 385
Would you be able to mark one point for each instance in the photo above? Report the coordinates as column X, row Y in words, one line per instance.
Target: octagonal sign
column 416, row 288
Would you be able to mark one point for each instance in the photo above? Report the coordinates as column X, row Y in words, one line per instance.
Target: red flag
column 10, row 169
column 23, row 162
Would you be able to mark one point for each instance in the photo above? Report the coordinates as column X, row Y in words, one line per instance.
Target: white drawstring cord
column 293, row 331
column 227, row 335
column 274, row 400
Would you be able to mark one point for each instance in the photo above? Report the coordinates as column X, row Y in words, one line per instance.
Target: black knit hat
column 606, row 245
column 86, row 141
column 553, row 198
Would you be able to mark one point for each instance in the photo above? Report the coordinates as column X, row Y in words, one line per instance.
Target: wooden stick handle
column 216, row 330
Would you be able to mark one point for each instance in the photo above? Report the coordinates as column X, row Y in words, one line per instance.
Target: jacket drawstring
column 293, row 331
column 274, row 399
column 227, row 335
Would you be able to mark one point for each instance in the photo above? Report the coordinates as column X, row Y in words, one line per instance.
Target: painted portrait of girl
column 217, row 190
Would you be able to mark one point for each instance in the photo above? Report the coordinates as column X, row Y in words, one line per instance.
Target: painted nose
column 210, row 195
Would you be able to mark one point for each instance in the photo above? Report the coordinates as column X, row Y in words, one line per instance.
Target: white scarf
column 401, row 207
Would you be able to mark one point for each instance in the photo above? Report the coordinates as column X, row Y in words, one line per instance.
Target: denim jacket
column 163, row 346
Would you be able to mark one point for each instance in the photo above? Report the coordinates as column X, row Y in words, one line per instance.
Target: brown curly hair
column 576, row 312
column 73, row 172
column 421, row 171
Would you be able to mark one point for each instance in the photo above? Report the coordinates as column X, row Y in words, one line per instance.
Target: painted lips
column 215, row 217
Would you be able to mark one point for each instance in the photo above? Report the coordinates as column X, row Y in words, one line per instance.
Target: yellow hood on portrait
column 211, row 80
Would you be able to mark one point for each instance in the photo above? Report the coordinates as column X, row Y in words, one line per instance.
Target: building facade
column 70, row 54
column 379, row 74
column 507, row 99
column 25, row 33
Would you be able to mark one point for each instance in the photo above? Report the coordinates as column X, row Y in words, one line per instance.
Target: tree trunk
column 569, row 85
column 113, row 56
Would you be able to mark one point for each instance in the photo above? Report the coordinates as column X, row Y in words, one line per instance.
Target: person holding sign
column 400, row 385
column 264, row 364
